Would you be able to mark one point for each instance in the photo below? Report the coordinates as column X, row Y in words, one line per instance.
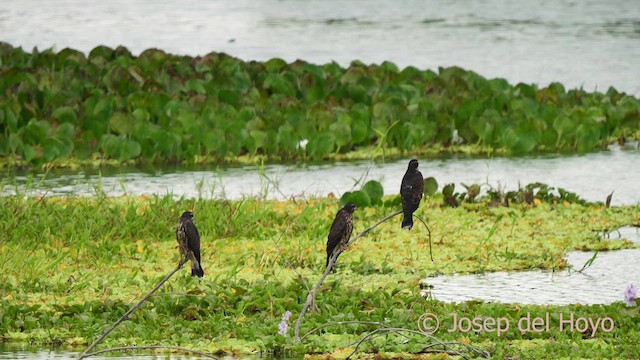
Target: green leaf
column 121, row 123
column 274, row 65
column 430, row 186
column 129, row 149
column 360, row 198
column 341, row 132
column 195, row 85
column 374, row 190
column 448, row 189
column 65, row 114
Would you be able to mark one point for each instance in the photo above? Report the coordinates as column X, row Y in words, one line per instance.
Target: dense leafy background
column 158, row 107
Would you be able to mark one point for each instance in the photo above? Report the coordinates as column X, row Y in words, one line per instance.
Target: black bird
column 411, row 191
column 189, row 242
column 341, row 230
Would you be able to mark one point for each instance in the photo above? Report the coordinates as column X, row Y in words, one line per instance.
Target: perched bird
column 411, row 191
column 189, row 242
column 341, row 230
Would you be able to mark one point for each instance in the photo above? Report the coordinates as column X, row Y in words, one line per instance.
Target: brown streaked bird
column 189, row 242
column 411, row 191
column 340, row 231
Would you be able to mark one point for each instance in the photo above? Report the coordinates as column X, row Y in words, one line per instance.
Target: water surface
column 592, row 176
column 603, row 282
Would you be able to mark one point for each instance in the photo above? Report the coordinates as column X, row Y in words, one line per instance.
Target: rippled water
column 587, row 43
column 601, row 283
column 592, row 176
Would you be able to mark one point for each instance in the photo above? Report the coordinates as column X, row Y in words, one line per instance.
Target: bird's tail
column 407, row 221
column 196, row 269
column 329, row 258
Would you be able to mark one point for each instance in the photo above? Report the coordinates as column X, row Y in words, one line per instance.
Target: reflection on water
column 601, row 283
column 592, row 176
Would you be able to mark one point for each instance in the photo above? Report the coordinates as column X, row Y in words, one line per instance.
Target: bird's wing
column 338, row 228
column 193, row 237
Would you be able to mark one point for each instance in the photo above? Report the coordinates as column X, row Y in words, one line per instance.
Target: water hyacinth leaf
column 121, row 80
column 322, row 144
column 214, row 141
column 195, row 85
column 15, row 142
column 65, row 114
column 315, row 93
column 29, row 154
column 54, row 148
column 482, row 128
column 316, row 71
column 101, row 51
column 587, row 136
column 382, row 110
column 360, row 198
column 71, row 57
column 64, row 131
column 10, row 119
column 375, row 191
column 352, row 75
column 274, row 65
column 260, row 139
column 141, row 115
column 286, row 138
column 130, row 149
column 121, row 123
column 390, row 67
column 563, row 126
column 448, row 189
column 430, row 186
column 278, row 84
column 341, row 132
column 526, row 90
column 358, row 93
column 37, row 131
column 227, row 96
column 110, row 145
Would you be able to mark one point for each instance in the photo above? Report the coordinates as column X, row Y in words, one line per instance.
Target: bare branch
column 429, row 231
column 127, row 348
column 312, row 294
column 133, row 308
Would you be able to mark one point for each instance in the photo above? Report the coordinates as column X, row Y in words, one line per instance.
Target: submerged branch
column 133, row 308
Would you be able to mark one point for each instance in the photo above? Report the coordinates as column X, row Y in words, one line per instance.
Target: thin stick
column 126, row 348
column 133, row 308
column 312, row 294
column 429, row 231
column 445, row 345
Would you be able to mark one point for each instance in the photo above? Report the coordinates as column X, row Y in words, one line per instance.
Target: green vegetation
column 69, row 267
column 159, row 108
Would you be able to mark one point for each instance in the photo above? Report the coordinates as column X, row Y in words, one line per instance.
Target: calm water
column 592, row 176
column 588, row 43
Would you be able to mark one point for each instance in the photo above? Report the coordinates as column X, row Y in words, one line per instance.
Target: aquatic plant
column 630, row 295
column 284, row 323
column 71, row 267
column 163, row 108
